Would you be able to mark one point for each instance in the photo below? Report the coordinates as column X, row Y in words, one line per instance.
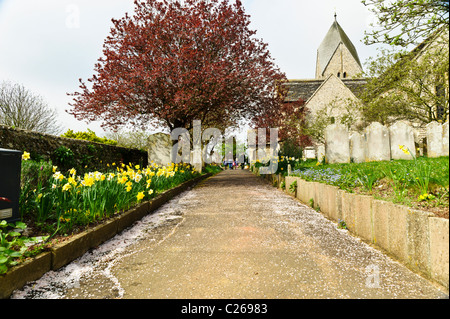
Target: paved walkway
column 235, row 236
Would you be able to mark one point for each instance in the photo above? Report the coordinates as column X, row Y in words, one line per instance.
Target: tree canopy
column 405, row 22
column 409, row 85
column 21, row 108
column 173, row 62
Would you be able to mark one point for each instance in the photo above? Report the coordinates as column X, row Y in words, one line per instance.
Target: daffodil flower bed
column 60, row 203
column 67, row 199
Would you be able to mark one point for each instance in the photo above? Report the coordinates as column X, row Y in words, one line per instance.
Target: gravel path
column 233, row 236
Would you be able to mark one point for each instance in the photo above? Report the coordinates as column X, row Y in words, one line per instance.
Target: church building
column 337, row 79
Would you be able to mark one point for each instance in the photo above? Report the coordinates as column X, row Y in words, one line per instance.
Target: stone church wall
column 342, row 62
column 332, row 93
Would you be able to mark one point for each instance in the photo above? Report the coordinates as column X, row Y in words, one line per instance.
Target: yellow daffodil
column 72, row 181
column 88, row 181
column 140, row 196
column 58, row 176
column 404, row 149
column 122, row 180
column 66, row 187
column 25, row 156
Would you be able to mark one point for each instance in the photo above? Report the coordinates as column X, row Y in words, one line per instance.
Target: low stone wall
column 85, row 152
column 414, row 237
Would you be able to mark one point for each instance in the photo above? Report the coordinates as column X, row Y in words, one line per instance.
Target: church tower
column 337, row 55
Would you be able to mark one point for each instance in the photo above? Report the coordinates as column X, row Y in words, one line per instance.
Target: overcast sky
column 47, row 45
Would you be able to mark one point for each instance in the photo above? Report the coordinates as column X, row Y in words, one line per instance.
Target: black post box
column 10, row 173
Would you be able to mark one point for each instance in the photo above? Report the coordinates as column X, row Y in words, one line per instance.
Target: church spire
column 334, row 43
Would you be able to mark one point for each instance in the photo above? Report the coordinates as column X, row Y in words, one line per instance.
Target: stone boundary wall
column 381, row 143
column 45, row 146
column 415, row 238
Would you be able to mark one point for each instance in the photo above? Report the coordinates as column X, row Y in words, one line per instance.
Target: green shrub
column 64, row 156
column 88, row 136
column 35, row 176
column 293, row 186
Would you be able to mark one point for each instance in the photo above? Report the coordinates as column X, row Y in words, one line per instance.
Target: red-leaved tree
column 173, row 62
column 289, row 118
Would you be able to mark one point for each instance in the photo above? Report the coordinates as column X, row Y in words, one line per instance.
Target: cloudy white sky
column 47, row 45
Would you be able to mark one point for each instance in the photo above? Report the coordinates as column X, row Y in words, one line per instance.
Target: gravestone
column 377, row 144
column 159, row 148
column 320, row 152
column 251, row 142
column 402, row 134
column 434, row 139
column 357, row 148
column 196, row 160
column 337, row 148
column 445, row 140
column 309, row 153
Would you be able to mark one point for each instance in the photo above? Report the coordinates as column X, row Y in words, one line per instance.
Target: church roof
column 330, row 43
column 304, row 89
column 301, row 89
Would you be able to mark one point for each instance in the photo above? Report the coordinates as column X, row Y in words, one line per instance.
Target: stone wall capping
column 45, row 144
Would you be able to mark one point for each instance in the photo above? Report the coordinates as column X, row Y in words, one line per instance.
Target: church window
column 345, row 75
column 339, row 74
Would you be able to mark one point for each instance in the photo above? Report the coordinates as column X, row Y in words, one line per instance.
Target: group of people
column 233, row 165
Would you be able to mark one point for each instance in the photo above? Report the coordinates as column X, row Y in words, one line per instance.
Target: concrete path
column 234, row 236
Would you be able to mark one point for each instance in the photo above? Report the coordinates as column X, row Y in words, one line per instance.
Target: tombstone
column 402, row 134
column 309, row 152
column 434, row 139
column 424, row 147
column 337, row 146
column 251, row 142
column 418, row 144
column 196, row 160
column 445, row 140
column 159, row 148
column 357, row 148
column 377, row 144
column 320, row 152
